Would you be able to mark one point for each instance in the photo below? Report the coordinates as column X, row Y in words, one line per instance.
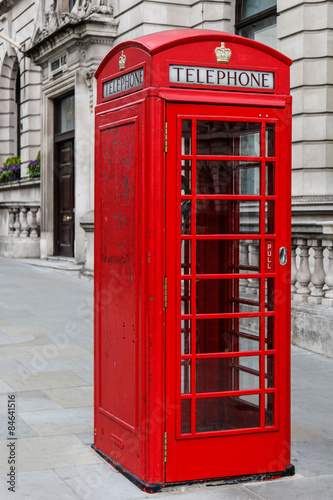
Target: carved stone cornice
column 70, row 34
column 6, row 5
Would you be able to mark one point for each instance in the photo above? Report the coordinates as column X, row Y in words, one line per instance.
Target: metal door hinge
column 165, row 292
column 165, row 447
column 166, row 137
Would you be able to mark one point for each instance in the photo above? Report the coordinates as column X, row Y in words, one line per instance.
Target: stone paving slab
column 47, row 380
column 38, row 485
column 49, row 452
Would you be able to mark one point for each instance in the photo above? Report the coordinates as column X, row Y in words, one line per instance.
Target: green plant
column 34, row 167
column 11, row 169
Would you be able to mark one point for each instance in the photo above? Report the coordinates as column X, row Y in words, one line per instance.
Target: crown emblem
column 222, row 54
column 122, row 61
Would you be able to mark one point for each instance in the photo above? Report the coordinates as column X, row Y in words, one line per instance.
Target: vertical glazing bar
column 262, row 271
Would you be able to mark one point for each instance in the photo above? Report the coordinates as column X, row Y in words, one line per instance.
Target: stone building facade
column 49, row 51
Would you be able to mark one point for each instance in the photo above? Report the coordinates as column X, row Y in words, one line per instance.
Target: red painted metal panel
column 118, row 407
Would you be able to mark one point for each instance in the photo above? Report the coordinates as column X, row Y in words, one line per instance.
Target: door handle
column 67, row 218
column 283, row 256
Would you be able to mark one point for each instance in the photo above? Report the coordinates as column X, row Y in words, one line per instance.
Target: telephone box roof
column 155, row 43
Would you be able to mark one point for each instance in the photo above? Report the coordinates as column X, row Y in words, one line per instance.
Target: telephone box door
column 227, row 317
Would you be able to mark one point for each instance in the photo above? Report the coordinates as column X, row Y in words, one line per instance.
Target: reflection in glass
column 185, row 297
column 269, row 294
column 185, row 336
column 186, row 257
column 227, row 217
column 227, row 335
column 228, row 138
column 270, row 170
column 227, row 256
column 186, row 376
column 185, row 416
column 269, row 372
column 67, row 114
column 269, row 217
column 228, row 177
column 270, row 139
column 239, row 373
column 226, row 413
column 269, row 327
column 186, row 177
column 224, row 295
column 269, row 409
column 186, row 137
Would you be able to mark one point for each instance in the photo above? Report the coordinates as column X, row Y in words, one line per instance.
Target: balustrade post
column 24, row 224
column 328, row 299
column 293, row 274
column 318, row 275
column 17, row 224
column 33, row 225
column 11, row 221
column 303, row 273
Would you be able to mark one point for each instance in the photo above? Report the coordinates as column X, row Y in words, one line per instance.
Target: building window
column 256, row 19
column 65, row 114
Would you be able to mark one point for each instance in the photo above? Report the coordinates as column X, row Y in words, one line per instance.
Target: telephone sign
column 192, row 347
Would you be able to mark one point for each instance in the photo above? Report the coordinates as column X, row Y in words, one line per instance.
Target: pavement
column 46, row 372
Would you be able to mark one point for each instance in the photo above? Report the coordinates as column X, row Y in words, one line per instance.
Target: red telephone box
column 192, row 232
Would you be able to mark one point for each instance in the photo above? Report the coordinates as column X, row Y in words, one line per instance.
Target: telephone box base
column 156, row 487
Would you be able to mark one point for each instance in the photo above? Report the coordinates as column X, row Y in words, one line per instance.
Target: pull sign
column 283, row 256
column 269, row 256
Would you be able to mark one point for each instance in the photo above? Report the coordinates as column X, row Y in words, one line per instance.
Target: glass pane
column 185, row 297
column 227, row 217
column 226, row 413
column 269, row 217
column 269, row 372
column 186, row 177
column 67, row 114
column 227, row 335
column 186, row 336
column 269, row 409
column 239, row 256
column 250, row 7
column 269, row 327
column 186, row 257
column 269, row 294
column 224, row 296
column 185, row 416
column 228, row 138
column 227, row 374
column 263, row 31
column 270, row 139
column 186, row 376
column 228, row 177
column 270, row 170
column 186, row 137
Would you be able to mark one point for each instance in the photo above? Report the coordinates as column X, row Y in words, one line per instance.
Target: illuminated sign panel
column 128, row 81
column 198, row 75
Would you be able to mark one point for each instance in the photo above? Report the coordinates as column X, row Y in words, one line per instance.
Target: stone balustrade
column 23, row 220
column 20, row 229
column 312, row 266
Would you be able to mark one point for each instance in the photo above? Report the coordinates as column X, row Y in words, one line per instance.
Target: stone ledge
column 19, row 248
column 311, row 327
